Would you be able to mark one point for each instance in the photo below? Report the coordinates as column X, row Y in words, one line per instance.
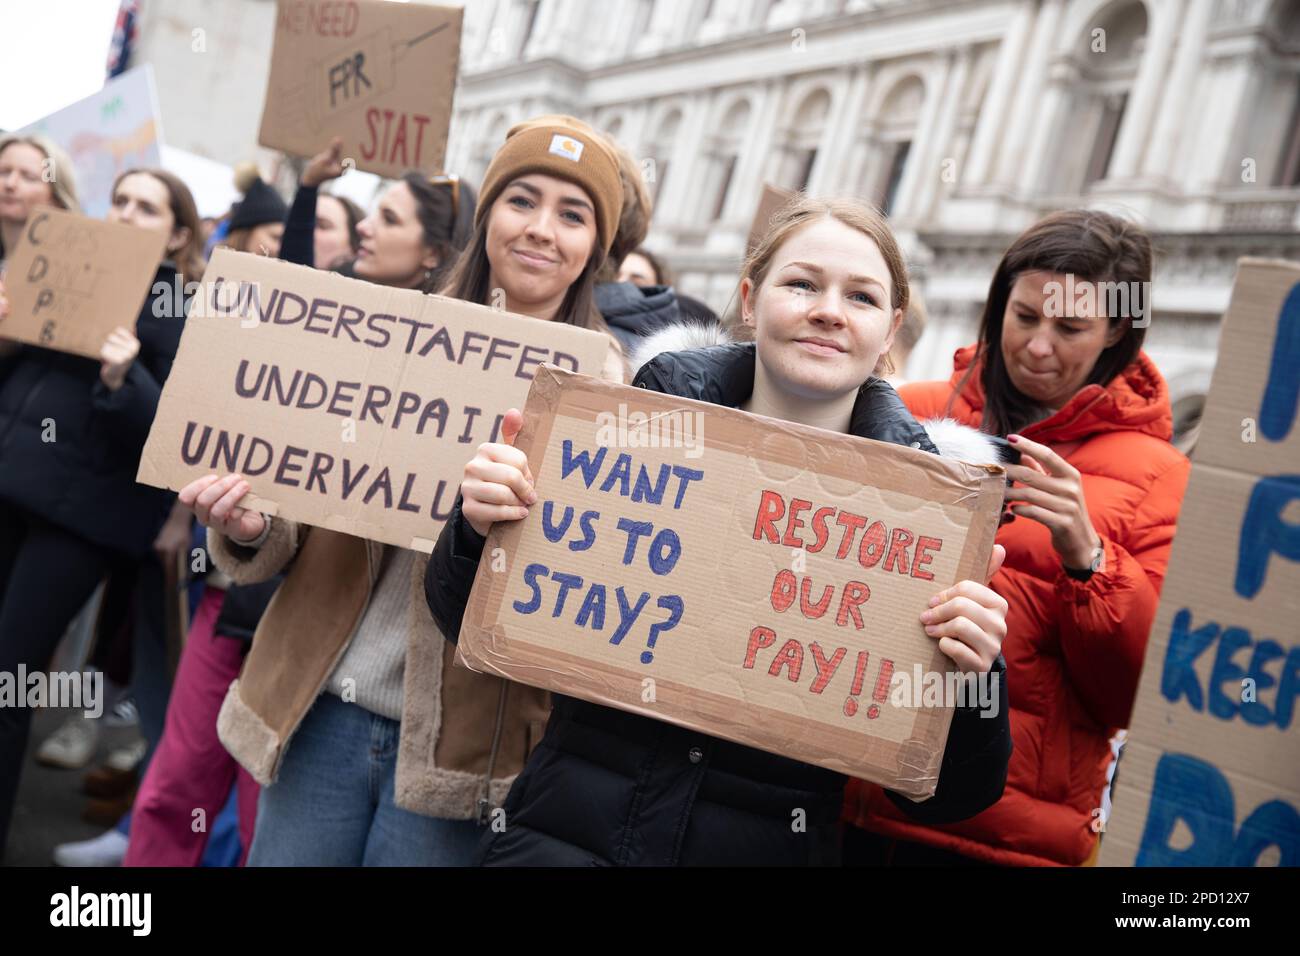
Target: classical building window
column 802, row 137
column 660, row 148
column 530, row 9
column 1102, row 71
column 888, row 152
column 1103, row 147
column 897, row 163
column 1288, row 172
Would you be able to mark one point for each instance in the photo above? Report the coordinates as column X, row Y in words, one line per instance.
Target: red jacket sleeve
column 1105, row 621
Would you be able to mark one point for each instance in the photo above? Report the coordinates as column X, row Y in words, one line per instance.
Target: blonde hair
column 802, row 211
column 63, row 183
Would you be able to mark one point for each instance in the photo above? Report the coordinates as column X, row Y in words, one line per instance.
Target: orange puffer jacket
column 1074, row 650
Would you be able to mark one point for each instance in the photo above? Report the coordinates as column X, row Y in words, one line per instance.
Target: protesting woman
column 400, row 776
column 71, row 432
column 824, row 293
column 1097, row 494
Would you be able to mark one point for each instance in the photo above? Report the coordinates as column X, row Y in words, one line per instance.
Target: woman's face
column 140, row 200
column 540, row 235
column 1049, row 357
column 637, row 269
column 392, row 250
column 822, row 316
column 332, row 242
column 264, row 239
column 22, row 183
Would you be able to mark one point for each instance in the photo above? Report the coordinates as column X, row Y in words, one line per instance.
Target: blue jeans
column 332, row 804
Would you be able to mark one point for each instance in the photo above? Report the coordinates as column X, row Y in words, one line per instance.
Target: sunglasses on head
column 452, row 180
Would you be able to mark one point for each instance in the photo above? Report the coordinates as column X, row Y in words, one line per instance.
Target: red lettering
column 791, row 656
column 820, row 607
column 854, row 594
column 873, row 545
column 825, row 669
column 922, row 556
column 820, row 529
column 759, row 637
column 898, row 543
column 783, row 590
column 371, row 115
column 793, row 523
column 399, row 142
column 770, row 508
column 851, row 524
column 420, row 123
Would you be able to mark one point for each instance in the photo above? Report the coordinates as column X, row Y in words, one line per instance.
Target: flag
column 119, row 51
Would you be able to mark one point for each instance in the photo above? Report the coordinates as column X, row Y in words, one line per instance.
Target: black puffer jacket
column 84, row 479
column 632, row 311
column 606, row 787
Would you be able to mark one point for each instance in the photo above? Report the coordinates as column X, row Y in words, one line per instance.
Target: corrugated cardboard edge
column 919, row 758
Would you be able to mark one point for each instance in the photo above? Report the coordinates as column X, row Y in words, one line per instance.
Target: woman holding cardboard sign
column 825, row 292
column 1060, row 371
column 429, row 748
column 71, row 431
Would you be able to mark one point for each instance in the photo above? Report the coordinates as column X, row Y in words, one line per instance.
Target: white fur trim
column 679, row 337
column 962, row 442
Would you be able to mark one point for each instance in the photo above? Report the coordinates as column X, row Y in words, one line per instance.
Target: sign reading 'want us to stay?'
column 381, row 75
column 72, row 280
column 345, row 404
column 757, row 580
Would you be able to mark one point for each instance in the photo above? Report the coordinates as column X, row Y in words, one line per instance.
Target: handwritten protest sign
column 1210, row 774
column 757, row 580
column 72, row 280
column 380, row 75
column 345, row 404
column 114, row 129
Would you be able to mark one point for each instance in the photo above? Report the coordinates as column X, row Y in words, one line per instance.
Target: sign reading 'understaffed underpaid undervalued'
column 345, row 404
column 757, row 580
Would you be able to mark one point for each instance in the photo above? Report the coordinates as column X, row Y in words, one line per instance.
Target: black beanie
column 261, row 204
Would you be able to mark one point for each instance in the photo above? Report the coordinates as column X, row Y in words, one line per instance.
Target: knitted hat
column 559, row 146
column 261, row 203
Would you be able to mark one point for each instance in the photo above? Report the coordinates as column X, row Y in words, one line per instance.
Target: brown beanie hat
column 565, row 147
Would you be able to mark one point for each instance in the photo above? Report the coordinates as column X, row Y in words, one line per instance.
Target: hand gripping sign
column 757, row 580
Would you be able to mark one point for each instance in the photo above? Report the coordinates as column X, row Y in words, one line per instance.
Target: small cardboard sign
column 381, row 75
column 1210, row 772
column 347, row 405
column 773, row 199
column 73, row 280
column 757, row 580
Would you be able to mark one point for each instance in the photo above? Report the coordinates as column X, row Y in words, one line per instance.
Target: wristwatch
column 1085, row 574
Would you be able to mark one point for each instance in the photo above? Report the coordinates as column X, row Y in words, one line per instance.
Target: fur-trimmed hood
column 950, row 438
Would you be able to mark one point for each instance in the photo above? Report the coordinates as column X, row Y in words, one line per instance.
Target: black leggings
column 46, row 575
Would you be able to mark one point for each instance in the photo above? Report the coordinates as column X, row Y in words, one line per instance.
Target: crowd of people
column 316, row 703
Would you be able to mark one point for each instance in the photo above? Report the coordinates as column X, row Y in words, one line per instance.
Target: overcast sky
column 55, row 53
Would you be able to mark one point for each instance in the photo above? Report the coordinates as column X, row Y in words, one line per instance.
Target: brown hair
column 634, row 220
column 662, row 275
column 445, row 210
column 1092, row 245
column 63, row 182
column 801, row 211
column 468, row 281
column 189, row 257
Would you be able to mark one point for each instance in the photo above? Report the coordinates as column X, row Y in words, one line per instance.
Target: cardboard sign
column 770, row 203
column 757, row 580
column 72, row 280
column 345, row 404
column 1210, row 775
column 110, row 131
column 381, row 75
